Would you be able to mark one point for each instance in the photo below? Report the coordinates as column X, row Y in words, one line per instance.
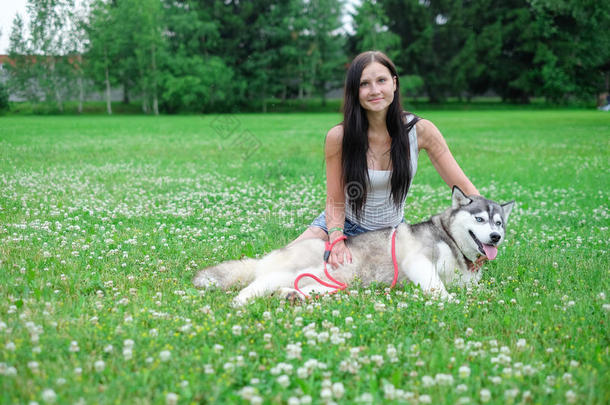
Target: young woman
column 371, row 157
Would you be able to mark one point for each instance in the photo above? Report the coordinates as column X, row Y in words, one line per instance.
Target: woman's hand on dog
column 339, row 255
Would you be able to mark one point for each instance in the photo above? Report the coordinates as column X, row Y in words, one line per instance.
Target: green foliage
column 372, row 32
column 519, row 48
column 228, row 55
column 197, row 84
column 4, row 96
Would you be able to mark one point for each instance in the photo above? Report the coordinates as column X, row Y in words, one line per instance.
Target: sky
column 9, row 8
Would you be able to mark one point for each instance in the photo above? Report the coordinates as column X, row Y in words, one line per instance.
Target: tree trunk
column 301, row 79
column 154, row 79
column 125, row 92
column 108, row 105
column 81, row 95
column 145, row 102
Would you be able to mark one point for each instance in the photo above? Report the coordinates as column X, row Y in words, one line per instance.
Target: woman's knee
column 313, row 232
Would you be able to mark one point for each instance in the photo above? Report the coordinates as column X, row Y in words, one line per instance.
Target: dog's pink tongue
column 490, row 251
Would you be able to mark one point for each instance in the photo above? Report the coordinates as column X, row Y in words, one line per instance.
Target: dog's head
column 476, row 224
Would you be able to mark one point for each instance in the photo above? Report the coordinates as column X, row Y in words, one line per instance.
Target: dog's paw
column 204, row 280
column 291, row 295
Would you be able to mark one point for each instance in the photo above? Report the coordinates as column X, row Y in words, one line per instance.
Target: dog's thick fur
column 433, row 254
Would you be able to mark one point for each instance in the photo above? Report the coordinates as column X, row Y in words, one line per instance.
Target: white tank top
column 379, row 210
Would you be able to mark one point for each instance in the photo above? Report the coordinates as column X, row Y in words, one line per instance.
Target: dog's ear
column 507, row 208
column 458, row 198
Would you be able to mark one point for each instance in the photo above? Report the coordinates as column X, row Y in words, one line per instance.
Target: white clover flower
column 306, row 400
column 153, row 332
column 326, row 394
column 236, row 330
column 495, row 380
column 392, row 353
column 377, row 359
column 461, row 388
column 349, row 320
column 389, row 392
column 338, row 390
column 228, row 366
column 459, row 343
column 108, row 349
column 283, row 380
column 247, row 392
column 571, row 397
column 302, row 372
column 218, row 348
column 464, row 372
column 427, row 381
column 365, row 398
column 521, row 343
column 606, row 307
column 425, row 399
column 469, row 332
column 127, row 353
column 165, row 355
column 444, row 379
column 293, row 351
column 379, row 306
column 485, row 395
column 171, row 398
column 128, row 343
column 99, row 366
column 293, row 401
column 511, row 394
column 49, row 396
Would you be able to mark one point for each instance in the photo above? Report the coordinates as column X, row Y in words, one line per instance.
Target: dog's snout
column 495, row 237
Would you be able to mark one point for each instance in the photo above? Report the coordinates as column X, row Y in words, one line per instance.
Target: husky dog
column 435, row 254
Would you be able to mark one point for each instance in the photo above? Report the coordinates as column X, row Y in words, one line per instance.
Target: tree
column 104, row 47
column 194, row 78
column 372, row 32
column 326, row 43
column 41, row 69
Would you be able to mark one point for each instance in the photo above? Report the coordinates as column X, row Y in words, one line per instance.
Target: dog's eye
column 498, row 223
column 479, row 219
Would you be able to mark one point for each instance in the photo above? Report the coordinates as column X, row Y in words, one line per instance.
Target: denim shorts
column 349, row 228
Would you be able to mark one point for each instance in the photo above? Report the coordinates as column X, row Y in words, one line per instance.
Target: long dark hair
column 356, row 142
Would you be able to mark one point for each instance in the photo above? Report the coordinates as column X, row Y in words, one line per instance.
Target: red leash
column 338, row 286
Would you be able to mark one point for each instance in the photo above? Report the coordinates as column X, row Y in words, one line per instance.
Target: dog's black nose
column 495, row 237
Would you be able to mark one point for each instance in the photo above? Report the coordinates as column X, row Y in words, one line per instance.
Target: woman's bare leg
column 311, row 233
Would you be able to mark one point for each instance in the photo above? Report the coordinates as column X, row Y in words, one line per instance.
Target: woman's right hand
column 339, row 255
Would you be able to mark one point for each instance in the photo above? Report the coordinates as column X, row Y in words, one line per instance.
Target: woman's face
column 377, row 87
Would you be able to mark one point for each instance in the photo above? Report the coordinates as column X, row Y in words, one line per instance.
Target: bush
column 3, row 97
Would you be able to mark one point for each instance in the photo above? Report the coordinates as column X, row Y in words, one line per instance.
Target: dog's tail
column 226, row 274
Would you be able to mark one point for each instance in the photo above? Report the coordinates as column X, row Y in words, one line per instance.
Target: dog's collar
column 472, row 266
column 476, row 265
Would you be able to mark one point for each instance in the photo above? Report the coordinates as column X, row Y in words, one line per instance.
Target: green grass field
column 104, row 220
